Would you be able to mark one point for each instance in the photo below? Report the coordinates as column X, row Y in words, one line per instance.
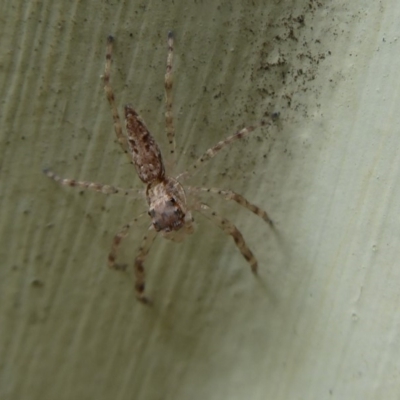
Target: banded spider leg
column 227, row 226
column 168, row 208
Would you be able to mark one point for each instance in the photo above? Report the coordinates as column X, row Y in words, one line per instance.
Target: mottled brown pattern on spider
column 169, row 206
column 146, row 154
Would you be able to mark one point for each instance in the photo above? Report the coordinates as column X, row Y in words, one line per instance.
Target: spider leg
column 97, row 187
column 230, row 229
column 144, row 249
column 230, row 195
column 122, row 234
column 169, row 122
column 111, row 99
column 213, row 151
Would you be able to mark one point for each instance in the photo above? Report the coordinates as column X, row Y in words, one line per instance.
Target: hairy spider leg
column 122, row 234
column 230, row 229
column 241, row 200
column 144, row 153
column 122, row 140
column 213, row 151
column 144, row 249
column 169, row 121
column 96, row 187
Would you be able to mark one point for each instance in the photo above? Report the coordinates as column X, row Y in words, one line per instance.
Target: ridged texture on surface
column 322, row 319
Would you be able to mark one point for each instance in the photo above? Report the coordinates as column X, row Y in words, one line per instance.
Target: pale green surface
column 322, row 322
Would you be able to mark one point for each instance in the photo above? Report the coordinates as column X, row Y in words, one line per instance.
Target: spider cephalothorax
column 168, row 208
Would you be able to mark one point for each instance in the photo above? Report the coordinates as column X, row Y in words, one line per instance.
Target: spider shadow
column 266, row 281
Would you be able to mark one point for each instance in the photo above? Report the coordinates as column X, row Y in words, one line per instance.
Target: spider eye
column 171, row 202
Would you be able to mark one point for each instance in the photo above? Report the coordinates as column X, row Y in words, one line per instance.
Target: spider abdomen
column 146, row 154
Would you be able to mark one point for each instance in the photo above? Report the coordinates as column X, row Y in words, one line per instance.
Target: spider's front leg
column 230, row 229
column 121, row 235
column 144, row 249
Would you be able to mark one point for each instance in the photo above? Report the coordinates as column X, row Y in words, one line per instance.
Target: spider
column 169, row 203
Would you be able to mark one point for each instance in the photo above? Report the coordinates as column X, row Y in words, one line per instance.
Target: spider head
column 167, row 215
column 167, row 207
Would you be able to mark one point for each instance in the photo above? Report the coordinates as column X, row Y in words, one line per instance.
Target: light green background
column 322, row 322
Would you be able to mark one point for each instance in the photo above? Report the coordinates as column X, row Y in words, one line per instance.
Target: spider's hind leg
column 213, row 151
column 169, row 121
column 111, row 99
column 230, row 229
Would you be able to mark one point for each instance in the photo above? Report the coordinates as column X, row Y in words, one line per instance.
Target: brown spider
column 168, row 205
